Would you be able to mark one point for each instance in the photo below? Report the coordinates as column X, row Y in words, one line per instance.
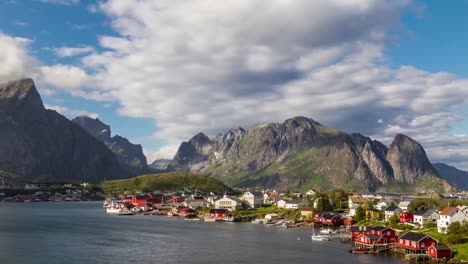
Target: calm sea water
column 81, row 232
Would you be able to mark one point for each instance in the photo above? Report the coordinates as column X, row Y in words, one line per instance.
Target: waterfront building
column 358, row 230
column 387, row 234
column 252, row 199
column 416, row 242
column 440, row 252
column 218, row 213
column 229, row 203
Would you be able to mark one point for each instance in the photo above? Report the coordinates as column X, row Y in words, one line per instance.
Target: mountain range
column 37, row 144
column 458, row 177
column 301, row 153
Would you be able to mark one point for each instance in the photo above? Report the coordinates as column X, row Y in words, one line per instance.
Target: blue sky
column 158, row 73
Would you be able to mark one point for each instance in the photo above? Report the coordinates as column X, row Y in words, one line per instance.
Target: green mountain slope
column 166, row 181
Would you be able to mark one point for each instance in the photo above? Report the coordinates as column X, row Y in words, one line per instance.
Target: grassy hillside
column 166, row 181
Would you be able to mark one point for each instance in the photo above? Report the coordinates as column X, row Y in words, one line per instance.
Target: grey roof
column 442, row 247
column 391, row 208
column 412, row 236
column 420, row 212
column 380, row 228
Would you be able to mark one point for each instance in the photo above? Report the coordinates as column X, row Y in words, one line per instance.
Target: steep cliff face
column 129, row 155
column 302, row 153
column 41, row 145
column 408, row 160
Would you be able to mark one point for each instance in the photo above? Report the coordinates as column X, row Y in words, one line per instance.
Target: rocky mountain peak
column 409, row 160
column 94, row 126
column 20, row 95
column 301, row 121
column 129, row 155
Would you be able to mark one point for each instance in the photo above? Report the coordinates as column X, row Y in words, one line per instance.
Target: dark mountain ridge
column 129, row 155
column 453, row 175
column 37, row 144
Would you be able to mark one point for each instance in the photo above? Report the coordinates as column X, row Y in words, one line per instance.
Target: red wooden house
column 388, row 235
column 358, row 230
column 348, row 221
column 330, row 219
column 369, row 240
column 187, row 212
column 406, row 217
column 178, row 200
column 142, row 200
column 440, row 252
column 416, row 242
column 218, row 213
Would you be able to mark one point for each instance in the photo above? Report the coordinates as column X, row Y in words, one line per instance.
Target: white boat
column 320, row 237
column 258, row 221
column 125, row 212
column 112, row 210
column 327, row 231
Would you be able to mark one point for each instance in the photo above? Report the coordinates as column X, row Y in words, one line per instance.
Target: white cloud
column 16, row 62
column 64, row 76
column 71, row 113
column 165, row 152
column 61, row 2
column 72, row 51
column 205, row 66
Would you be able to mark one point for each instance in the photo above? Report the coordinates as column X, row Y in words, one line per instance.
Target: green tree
column 394, row 220
column 360, row 214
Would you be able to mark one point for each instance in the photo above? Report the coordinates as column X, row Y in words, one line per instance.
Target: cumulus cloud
column 16, row 62
column 71, row 113
column 204, row 66
column 72, row 51
column 64, row 76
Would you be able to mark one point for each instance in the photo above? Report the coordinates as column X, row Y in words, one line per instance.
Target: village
column 415, row 227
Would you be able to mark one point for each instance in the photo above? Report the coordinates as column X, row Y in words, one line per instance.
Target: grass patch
column 165, row 181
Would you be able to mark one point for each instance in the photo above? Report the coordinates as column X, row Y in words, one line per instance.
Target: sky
column 158, row 72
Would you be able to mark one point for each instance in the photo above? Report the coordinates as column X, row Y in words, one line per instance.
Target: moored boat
column 125, row 212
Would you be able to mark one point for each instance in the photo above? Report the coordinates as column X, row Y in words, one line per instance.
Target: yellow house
column 372, row 215
column 307, row 213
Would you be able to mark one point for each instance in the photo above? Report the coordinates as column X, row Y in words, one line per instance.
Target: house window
column 422, row 244
column 388, row 233
column 407, row 242
column 413, row 244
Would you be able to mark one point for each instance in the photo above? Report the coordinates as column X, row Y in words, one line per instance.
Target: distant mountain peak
column 129, row 154
column 94, row 126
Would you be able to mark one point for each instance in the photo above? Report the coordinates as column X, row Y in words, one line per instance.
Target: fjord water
column 81, row 232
